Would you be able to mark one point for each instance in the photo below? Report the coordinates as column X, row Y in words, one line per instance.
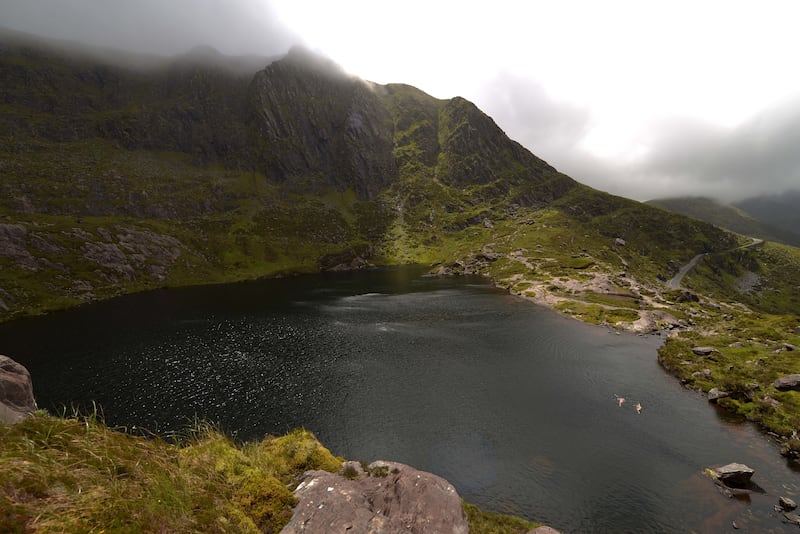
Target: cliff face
column 309, row 120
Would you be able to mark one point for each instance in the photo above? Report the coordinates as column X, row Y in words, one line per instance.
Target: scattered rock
column 488, row 224
column 704, row 351
column 687, row 296
column 16, row 392
column 786, row 504
column 705, row 373
column 13, row 246
column 715, row 393
column 788, row 382
column 736, row 345
column 790, row 347
column 792, row 518
column 620, row 242
column 406, row 500
column 733, row 475
column 544, row 530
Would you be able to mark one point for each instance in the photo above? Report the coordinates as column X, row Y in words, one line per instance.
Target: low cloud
column 679, row 156
column 234, row 27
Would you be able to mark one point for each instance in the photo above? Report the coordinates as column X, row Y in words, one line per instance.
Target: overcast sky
column 639, row 98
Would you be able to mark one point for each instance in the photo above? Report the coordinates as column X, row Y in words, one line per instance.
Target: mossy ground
column 77, row 475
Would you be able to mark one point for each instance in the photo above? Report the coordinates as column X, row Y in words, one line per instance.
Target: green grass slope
column 730, row 217
column 77, row 475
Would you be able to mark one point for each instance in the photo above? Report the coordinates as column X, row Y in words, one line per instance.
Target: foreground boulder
column 787, row 382
column 16, row 392
column 393, row 497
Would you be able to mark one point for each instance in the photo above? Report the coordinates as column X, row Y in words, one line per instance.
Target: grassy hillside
column 77, row 475
column 730, row 217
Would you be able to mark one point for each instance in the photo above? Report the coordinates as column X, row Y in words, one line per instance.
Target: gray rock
column 544, row 530
column 620, row 242
column 736, row 345
column 406, row 500
column 715, row 393
column 16, row 392
column 786, row 504
column 736, row 475
column 704, row 351
column 788, row 382
column 705, row 373
column 792, row 518
column 790, row 347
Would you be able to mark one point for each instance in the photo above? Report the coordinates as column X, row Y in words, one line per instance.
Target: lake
column 512, row 403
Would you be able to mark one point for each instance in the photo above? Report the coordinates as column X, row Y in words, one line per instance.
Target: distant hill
column 780, row 210
column 763, row 217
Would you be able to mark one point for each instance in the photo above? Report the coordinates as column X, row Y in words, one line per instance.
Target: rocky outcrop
column 787, row 382
column 390, row 497
column 16, row 392
column 313, row 119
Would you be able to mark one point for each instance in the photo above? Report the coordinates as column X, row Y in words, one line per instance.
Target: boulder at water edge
column 404, row 500
column 16, row 392
column 734, row 475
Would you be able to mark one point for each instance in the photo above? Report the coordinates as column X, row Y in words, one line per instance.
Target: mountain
column 780, row 211
column 758, row 222
column 122, row 175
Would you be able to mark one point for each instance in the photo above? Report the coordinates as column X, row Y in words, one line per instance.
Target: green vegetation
column 77, row 475
column 733, row 218
column 481, row 522
column 751, row 352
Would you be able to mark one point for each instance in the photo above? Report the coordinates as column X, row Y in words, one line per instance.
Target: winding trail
column 675, row 281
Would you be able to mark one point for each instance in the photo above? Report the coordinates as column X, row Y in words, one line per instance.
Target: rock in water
column 16, row 392
column 405, row 500
column 788, row 382
column 735, row 475
column 787, row 504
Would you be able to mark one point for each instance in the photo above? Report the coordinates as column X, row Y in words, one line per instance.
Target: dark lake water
column 510, row 402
